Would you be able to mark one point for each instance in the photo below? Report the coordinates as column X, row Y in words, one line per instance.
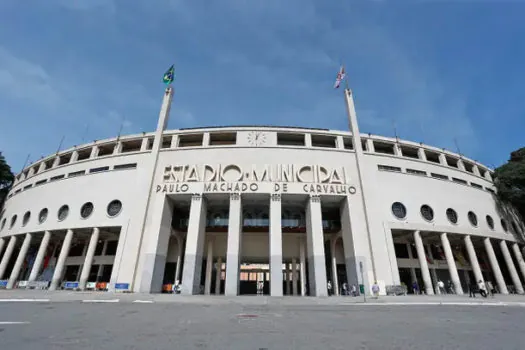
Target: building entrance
column 253, row 275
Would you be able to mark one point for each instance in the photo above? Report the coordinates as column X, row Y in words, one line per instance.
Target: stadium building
column 224, row 210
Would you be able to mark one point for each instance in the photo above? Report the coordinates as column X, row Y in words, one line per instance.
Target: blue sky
column 439, row 70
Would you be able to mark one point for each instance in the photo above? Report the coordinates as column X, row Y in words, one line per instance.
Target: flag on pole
column 340, row 77
column 169, row 75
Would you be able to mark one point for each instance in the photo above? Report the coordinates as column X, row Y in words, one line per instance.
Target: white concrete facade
column 213, row 201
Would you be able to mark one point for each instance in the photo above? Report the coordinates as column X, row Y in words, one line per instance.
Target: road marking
column 24, row 300
column 101, row 301
column 143, row 301
column 13, row 322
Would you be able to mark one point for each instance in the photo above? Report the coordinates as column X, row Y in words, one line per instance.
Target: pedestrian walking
column 441, row 287
column 472, row 287
column 329, row 286
column 415, row 288
column 375, row 290
column 481, row 287
column 354, row 290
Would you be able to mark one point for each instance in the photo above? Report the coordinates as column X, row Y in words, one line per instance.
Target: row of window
column 75, row 174
column 230, row 138
column 433, row 175
column 113, row 209
column 399, row 210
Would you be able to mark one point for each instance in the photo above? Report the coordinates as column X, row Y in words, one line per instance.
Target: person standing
column 441, row 287
column 375, row 290
column 481, row 287
column 354, row 290
column 329, row 286
column 472, row 287
column 415, row 288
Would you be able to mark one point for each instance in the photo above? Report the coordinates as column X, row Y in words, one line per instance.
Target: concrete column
column 7, row 255
column 2, row 244
column 412, row 269
column 452, row 269
column 423, row 263
column 218, row 278
column 191, row 273
column 315, row 247
column 302, row 258
column 276, row 247
column 59, row 268
column 209, row 267
column 294, row 276
column 234, row 245
column 19, row 261
column 179, row 259
column 287, row 278
column 40, row 257
column 335, row 281
column 88, row 261
column 511, row 267
column 100, row 271
column 495, row 267
column 473, row 259
column 433, row 272
column 517, row 254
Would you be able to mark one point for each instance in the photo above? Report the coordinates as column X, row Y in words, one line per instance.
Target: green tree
column 510, row 181
column 6, row 179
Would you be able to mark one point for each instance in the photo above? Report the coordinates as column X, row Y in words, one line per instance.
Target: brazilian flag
column 169, row 75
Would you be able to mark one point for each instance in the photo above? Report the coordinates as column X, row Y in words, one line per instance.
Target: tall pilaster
column 452, row 269
column 333, row 259
column 191, row 274
column 234, row 245
column 2, row 244
column 413, row 275
column 519, row 258
column 315, row 247
column 511, row 267
column 59, row 268
column 40, row 257
column 423, row 263
column 88, row 261
column 302, row 259
column 7, row 255
column 19, row 261
column 209, row 267
column 495, row 266
column 473, row 259
column 276, row 246
column 219, row 276
column 294, row 276
column 179, row 258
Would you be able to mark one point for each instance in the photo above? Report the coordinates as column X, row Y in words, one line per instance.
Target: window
column 347, row 142
column 219, row 139
column 64, row 159
column 459, row 181
column 386, row 148
column 439, row 176
column 427, row 212
column 3, row 224
column 55, row 178
column 111, row 248
column 290, row 139
column 453, row 162
column 26, row 218
column 63, row 212
column 504, row 225
column 490, row 190
column 399, row 210
column 476, row 185
column 40, row 182
column 409, row 152
column 388, row 168
column 364, row 145
column 84, row 154
column 514, row 226
column 28, row 187
column 149, row 145
column 472, row 218
column 106, row 150
column 166, row 142
column 76, row 173
column 125, row 166
column 323, row 141
column 49, row 163
column 86, row 210
column 194, row 140
column 114, row 208
column 469, row 167
column 13, row 221
column 432, row 157
column 416, row 172
column 42, row 216
column 490, row 222
column 131, row 146
column 98, row 170
column 452, row 216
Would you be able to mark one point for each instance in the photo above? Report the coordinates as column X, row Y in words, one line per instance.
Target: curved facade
column 223, row 209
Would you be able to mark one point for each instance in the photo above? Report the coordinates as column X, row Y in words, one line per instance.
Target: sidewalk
column 72, row 296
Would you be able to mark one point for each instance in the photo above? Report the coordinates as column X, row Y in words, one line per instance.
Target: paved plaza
column 69, row 320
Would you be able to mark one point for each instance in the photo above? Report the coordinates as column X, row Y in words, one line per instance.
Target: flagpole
column 25, row 163
column 60, row 144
